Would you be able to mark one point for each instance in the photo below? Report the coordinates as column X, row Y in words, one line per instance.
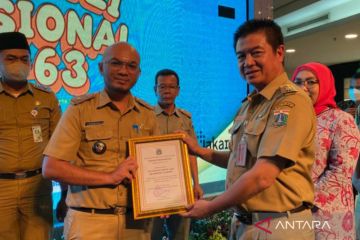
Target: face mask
column 16, row 71
column 354, row 94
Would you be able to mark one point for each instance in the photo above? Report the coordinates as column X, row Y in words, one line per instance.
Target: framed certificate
column 162, row 185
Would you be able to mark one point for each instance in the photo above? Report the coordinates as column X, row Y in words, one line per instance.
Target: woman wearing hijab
column 337, row 151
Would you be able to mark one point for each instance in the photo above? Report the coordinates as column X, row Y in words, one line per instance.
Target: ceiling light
column 290, row 50
column 351, row 36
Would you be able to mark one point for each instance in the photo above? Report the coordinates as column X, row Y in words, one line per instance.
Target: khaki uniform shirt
column 279, row 121
column 178, row 120
column 93, row 135
column 26, row 124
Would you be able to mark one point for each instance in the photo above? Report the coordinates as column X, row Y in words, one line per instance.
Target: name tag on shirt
column 241, row 150
column 37, row 134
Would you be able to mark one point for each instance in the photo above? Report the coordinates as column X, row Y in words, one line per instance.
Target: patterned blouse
column 338, row 145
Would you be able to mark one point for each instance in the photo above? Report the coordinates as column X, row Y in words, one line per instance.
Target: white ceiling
column 325, row 43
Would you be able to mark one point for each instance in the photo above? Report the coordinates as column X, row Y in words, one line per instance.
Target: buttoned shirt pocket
column 253, row 131
column 144, row 127
column 27, row 118
column 139, row 130
column 98, row 147
column 43, row 118
column 145, row 131
column 94, row 133
column 35, row 116
column 43, row 113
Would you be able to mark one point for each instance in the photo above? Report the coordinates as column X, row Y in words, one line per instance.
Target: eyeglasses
column 163, row 87
column 129, row 66
column 309, row 83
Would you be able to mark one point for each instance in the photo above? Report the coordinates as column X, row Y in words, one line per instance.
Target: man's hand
column 192, row 143
column 61, row 209
column 125, row 170
column 198, row 192
column 199, row 209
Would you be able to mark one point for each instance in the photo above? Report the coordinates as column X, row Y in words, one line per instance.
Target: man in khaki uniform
column 272, row 150
column 170, row 119
column 28, row 116
column 89, row 152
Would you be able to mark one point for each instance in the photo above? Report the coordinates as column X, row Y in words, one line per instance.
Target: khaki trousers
column 89, row 226
column 293, row 226
column 25, row 209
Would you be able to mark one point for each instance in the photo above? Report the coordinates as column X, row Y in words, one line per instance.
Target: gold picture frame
column 162, row 183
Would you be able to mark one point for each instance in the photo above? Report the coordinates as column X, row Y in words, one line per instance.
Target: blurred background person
column 337, row 150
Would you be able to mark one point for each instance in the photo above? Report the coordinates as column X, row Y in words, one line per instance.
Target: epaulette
column 42, row 88
column 143, row 103
column 82, row 98
column 287, row 89
column 186, row 113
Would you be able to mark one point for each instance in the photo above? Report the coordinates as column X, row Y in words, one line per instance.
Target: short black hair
column 166, row 72
column 271, row 30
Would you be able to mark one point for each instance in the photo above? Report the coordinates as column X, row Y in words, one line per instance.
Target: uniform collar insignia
column 280, row 117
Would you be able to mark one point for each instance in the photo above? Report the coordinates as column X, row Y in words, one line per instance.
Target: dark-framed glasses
column 307, row 83
column 117, row 64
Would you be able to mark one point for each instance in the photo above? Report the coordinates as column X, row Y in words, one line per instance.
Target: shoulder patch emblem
column 143, row 103
column 81, row 99
column 280, row 117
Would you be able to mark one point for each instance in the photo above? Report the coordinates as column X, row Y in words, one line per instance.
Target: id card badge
column 241, row 150
column 37, row 134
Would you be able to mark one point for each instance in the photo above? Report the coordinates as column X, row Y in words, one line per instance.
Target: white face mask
column 354, row 94
column 16, row 71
